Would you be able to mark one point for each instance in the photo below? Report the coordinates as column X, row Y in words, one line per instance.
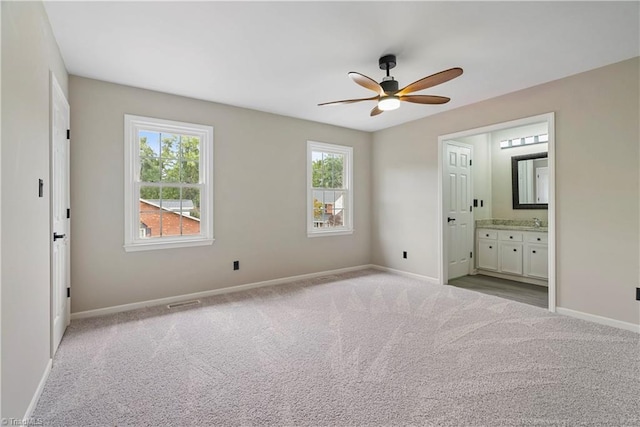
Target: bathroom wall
column 482, row 182
column 501, row 183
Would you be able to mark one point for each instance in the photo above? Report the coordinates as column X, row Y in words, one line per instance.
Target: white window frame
column 132, row 240
column 347, row 152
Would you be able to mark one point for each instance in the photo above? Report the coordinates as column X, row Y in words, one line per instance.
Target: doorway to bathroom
column 497, row 209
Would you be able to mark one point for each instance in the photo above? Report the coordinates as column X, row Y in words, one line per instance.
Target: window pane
column 190, row 148
column 169, row 195
column 150, row 193
column 328, row 208
column 336, row 219
column 504, row 144
column 171, row 206
column 543, row 138
column 192, row 196
column 149, row 226
column 149, row 169
column 328, row 170
column 190, row 172
column 529, row 140
column 170, row 170
column 190, row 214
column 149, row 144
column 170, row 145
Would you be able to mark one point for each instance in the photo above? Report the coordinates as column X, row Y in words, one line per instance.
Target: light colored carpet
column 364, row 348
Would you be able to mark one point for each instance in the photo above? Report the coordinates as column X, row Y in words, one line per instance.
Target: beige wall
column 29, row 51
column 597, row 185
column 501, row 181
column 260, row 193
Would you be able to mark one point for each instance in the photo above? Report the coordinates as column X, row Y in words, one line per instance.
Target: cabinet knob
column 511, row 237
column 515, row 250
column 533, row 252
column 487, row 235
column 538, row 239
column 490, row 247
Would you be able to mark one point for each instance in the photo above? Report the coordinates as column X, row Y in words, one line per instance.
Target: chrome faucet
column 536, row 222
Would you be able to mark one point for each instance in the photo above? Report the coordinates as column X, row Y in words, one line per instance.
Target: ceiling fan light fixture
column 388, row 103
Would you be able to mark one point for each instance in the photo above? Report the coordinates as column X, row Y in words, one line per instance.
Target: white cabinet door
column 511, row 258
column 488, row 254
column 537, row 265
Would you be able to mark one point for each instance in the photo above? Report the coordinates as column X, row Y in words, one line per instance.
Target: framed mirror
column 530, row 181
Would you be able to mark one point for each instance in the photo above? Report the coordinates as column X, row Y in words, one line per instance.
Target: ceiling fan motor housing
column 389, row 86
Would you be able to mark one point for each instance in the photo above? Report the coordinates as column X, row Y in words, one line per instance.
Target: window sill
column 151, row 246
column 330, row 233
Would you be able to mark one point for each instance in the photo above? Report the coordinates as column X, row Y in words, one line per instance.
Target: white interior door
column 60, row 254
column 459, row 227
column 542, row 185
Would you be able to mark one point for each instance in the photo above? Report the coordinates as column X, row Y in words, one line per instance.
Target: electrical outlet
column 236, row 265
column 404, row 254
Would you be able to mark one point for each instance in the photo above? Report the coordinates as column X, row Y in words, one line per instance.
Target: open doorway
column 510, row 201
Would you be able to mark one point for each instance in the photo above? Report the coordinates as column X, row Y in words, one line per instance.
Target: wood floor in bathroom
column 509, row 289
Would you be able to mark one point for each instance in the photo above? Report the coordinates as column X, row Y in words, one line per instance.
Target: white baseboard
column 196, row 295
column 599, row 319
column 37, row 394
column 407, row 274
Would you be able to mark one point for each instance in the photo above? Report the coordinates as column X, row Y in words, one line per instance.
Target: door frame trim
column 470, row 240
column 549, row 118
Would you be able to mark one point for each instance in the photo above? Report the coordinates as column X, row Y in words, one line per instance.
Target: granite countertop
column 512, row 224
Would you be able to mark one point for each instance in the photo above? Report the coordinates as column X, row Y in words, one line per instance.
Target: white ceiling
column 286, row 57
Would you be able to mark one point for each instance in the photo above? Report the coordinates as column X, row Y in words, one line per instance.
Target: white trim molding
column 599, row 319
column 429, row 279
column 26, row 421
column 204, row 294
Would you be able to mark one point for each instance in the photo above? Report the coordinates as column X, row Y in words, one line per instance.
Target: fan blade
column 376, row 111
column 349, row 101
column 366, row 82
column 425, row 99
column 430, row 81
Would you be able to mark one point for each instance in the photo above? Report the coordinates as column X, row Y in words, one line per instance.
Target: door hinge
column 470, row 162
column 470, row 208
column 68, row 213
column 68, row 292
column 68, row 133
column 470, row 254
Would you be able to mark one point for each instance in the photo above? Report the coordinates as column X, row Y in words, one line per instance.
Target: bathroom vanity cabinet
column 514, row 254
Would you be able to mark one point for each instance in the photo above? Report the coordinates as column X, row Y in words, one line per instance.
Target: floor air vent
column 183, row 304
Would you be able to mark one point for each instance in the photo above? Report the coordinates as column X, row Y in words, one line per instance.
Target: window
column 329, row 189
column 168, row 184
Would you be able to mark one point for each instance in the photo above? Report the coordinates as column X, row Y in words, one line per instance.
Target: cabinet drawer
column 511, row 236
column 487, row 234
column 538, row 238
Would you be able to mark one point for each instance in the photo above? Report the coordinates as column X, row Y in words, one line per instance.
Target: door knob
column 450, row 219
column 57, row 236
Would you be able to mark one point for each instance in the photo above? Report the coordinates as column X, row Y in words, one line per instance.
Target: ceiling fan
column 388, row 95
